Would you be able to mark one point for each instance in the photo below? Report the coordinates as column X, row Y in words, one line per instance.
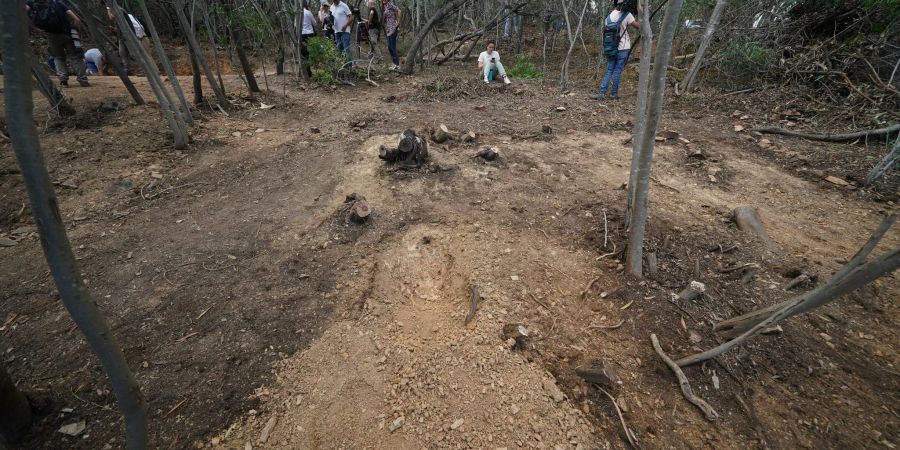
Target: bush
column 744, row 60
column 324, row 59
column 525, row 68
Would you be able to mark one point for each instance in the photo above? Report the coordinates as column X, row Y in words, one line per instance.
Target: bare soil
column 256, row 316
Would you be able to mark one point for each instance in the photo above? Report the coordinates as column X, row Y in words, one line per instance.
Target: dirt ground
column 256, row 316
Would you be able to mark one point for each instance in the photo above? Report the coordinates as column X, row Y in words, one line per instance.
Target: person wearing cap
column 615, row 64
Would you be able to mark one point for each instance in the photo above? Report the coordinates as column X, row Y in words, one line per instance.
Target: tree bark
column 747, row 219
column 46, row 86
column 833, row 137
column 411, row 55
column 640, row 113
column 55, row 243
column 688, row 83
column 15, row 411
column 645, row 159
column 245, row 63
column 573, row 39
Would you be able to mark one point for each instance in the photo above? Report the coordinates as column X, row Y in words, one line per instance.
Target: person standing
column 489, row 61
column 58, row 21
column 138, row 29
column 391, row 27
column 307, row 27
column 327, row 20
column 373, row 25
column 618, row 20
column 343, row 26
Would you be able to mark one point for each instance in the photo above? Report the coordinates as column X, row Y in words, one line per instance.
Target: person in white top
column 615, row 64
column 139, row 31
column 489, row 61
column 95, row 61
column 306, row 23
column 343, row 26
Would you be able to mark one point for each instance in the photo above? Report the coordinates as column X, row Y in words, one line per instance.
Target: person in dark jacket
column 56, row 19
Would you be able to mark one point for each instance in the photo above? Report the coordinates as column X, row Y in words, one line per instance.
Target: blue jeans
column 614, row 68
column 342, row 39
column 392, row 49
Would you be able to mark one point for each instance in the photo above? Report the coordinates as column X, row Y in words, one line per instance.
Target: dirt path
column 251, row 307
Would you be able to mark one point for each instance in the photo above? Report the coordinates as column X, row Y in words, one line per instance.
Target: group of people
column 60, row 24
column 336, row 21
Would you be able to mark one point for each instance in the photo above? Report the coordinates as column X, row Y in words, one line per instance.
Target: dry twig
column 708, row 410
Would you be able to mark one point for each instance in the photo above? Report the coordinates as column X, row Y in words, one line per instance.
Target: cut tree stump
column 468, row 136
column 359, row 208
column 747, row 219
column 441, row 134
column 411, row 152
column 487, row 153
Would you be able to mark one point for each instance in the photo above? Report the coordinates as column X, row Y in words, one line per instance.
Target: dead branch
column 474, row 305
column 708, row 410
column 832, row 137
column 628, row 433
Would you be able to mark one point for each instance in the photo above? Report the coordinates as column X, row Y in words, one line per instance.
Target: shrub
column 744, row 60
column 525, row 68
column 324, row 59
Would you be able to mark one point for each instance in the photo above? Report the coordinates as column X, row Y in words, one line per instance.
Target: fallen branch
column 474, row 306
column 588, row 288
column 628, row 433
column 829, row 137
column 708, row 410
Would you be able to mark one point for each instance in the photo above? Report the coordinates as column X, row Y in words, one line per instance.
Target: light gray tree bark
column 640, row 111
column 688, row 83
column 412, row 54
column 55, row 242
column 167, row 65
column 645, row 159
column 198, row 53
column 573, row 39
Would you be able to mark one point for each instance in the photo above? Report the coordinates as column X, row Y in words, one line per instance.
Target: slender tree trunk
column 411, row 55
column 54, row 96
column 92, row 17
column 167, row 65
column 645, row 159
column 15, row 411
column 640, row 113
column 170, row 112
column 61, row 260
column 245, row 63
column 688, row 83
column 573, row 39
column 198, row 52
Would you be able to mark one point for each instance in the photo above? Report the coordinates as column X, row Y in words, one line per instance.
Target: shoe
column 487, row 81
column 506, row 80
column 598, row 97
column 64, row 83
column 84, row 83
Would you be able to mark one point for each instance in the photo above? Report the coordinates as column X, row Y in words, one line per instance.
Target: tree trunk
column 46, row 86
column 688, row 83
column 645, row 159
column 15, row 411
column 167, row 65
column 198, row 52
column 411, row 55
column 573, row 39
column 640, row 112
column 55, row 243
column 170, row 112
column 245, row 63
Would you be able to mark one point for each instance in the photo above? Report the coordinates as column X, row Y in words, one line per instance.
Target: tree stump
column 468, row 136
column 411, row 152
column 441, row 134
column 359, row 208
column 747, row 219
column 487, row 153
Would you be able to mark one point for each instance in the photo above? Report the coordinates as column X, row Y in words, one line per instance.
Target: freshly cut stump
column 411, row 152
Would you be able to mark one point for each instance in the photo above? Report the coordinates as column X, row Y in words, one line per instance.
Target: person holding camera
column 489, row 63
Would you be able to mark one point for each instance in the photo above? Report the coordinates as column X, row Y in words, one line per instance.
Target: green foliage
column 324, row 59
column 525, row 68
column 745, row 60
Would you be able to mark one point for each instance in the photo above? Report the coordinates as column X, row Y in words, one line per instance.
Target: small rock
column 236, row 134
column 7, row 242
column 695, row 337
column 315, row 130
column 600, row 371
column 835, row 180
column 553, row 391
column 457, row 423
column 514, row 277
column 396, row 424
column 738, row 128
column 514, row 409
column 560, row 108
column 517, row 334
column 73, row 429
column 70, row 183
column 765, row 143
column 264, row 436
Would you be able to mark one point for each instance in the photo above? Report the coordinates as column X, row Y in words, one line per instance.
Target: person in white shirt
column 343, row 26
column 615, row 64
column 489, row 61
column 95, row 61
column 139, row 32
column 306, row 23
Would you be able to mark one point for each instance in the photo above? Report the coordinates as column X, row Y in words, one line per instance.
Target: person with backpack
column 373, row 26
column 56, row 19
column 616, row 46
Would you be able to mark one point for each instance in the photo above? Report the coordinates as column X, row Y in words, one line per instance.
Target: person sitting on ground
column 57, row 20
column 489, row 62
column 95, row 62
column 616, row 63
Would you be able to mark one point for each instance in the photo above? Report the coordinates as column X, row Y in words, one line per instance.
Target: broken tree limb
column 701, row 404
column 625, row 429
column 834, row 288
column 54, row 240
column 889, row 160
column 412, row 54
column 747, row 219
column 832, row 137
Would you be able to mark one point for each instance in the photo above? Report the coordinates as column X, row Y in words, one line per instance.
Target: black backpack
column 612, row 35
column 45, row 15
